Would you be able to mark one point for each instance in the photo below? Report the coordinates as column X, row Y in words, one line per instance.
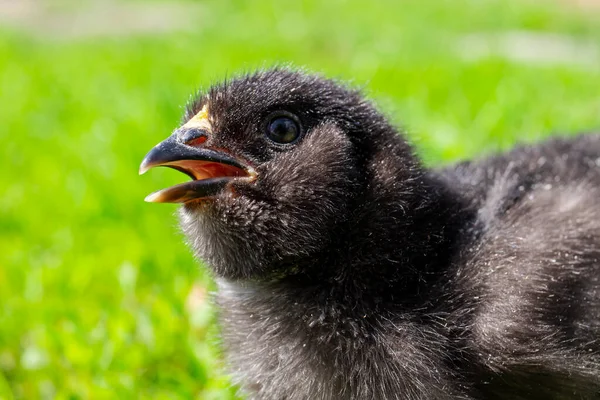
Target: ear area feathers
column 321, row 162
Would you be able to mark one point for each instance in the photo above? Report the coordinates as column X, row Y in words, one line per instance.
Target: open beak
column 210, row 170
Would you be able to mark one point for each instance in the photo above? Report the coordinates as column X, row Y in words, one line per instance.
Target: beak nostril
column 196, row 141
column 193, row 137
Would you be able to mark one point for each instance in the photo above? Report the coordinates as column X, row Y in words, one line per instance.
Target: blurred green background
column 100, row 298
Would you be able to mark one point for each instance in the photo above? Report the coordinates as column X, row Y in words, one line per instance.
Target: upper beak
column 210, row 170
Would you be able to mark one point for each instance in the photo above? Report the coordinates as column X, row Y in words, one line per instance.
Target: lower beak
column 210, row 170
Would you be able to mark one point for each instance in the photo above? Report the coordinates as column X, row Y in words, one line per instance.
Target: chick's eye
column 283, row 130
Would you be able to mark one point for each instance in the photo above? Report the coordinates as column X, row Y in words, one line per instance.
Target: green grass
column 94, row 282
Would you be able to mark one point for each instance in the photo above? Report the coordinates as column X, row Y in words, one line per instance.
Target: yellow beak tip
column 152, row 198
column 143, row 169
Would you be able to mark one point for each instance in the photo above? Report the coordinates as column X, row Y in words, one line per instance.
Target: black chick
column 346, row 270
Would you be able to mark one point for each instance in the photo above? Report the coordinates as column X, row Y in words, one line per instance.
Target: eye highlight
column 283, row 129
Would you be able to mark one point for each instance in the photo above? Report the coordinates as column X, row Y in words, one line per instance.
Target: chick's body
column 346, row 270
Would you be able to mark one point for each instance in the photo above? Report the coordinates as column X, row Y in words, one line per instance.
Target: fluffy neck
column 372, row 296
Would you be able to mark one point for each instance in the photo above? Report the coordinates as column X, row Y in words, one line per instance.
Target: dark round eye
column 283, row 130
